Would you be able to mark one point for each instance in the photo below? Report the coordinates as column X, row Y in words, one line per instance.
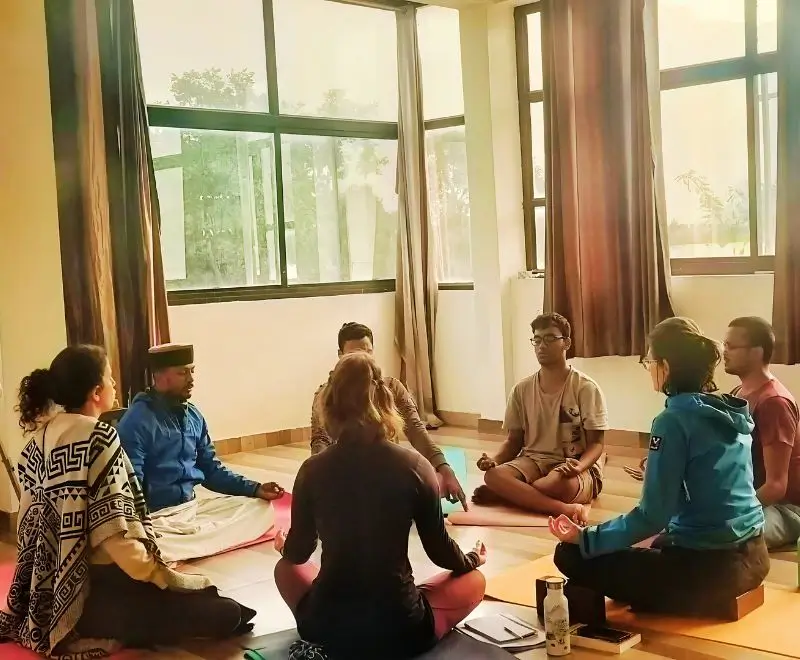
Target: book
column 600, row 638
column 501, row 629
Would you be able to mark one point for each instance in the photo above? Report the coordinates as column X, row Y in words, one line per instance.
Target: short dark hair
column 544, row 321
column 352, row 331
column 692, row 357
column 759, row 333
column 72, row 375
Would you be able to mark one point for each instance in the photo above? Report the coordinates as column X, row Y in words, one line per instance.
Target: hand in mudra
column 270, row 491
column 486, row 463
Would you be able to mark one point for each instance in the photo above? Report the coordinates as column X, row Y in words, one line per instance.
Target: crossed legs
column 451, row 598
column 523, row 483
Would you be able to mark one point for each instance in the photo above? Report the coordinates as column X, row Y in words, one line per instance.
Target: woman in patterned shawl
column 89, row 575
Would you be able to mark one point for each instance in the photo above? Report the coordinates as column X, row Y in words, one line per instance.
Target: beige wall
column 259, row 363
column 31, row 299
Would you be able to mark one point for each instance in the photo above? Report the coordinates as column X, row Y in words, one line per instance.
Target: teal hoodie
column 698, row 485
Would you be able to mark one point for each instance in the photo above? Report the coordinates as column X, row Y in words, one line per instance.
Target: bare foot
column 484, row 496
column 579, row 514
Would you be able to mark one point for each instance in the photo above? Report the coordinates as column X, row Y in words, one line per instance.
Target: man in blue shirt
column 168, row 443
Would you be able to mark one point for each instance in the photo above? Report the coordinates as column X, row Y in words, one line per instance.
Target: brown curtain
column 606, row 266
column 786, row 296
column 417, row 290
column 114, row 290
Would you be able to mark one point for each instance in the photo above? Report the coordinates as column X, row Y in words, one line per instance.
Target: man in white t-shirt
column 552, row 461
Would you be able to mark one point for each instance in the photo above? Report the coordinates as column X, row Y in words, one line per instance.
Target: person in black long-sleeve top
column 360, row 497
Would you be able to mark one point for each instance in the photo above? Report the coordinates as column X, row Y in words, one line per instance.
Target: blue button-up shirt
column 171, row 452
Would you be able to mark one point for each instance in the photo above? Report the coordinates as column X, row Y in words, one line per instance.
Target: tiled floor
column 247, row 574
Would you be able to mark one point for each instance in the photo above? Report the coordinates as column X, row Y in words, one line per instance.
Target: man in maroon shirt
column 749, row 343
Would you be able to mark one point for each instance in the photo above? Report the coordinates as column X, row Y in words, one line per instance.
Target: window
column 719, row 133
column 445, row 143
column 335, row 60
column 216, row 190
column 195, row 55
column 341, row 208
column 273, row 127
column 530, row 68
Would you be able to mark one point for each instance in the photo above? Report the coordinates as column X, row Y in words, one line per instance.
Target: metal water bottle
column 556, row 617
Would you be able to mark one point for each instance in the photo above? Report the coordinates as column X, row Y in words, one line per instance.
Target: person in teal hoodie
column 698, row 496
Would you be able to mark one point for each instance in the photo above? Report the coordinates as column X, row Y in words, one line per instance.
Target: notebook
column 500, row 629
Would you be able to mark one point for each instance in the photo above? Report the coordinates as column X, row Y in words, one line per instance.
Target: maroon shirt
column 360, row 497
column 777, row 420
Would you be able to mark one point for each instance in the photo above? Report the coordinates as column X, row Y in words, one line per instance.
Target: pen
column 512, row 633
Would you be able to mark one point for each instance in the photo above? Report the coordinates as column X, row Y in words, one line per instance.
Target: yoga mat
column 518, row 585
column 456, row 459
column 283, row 520
column 453, row 647
column 771, row 628
column 496, row 516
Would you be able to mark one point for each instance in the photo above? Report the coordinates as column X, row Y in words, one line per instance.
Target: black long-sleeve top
column 359, row 497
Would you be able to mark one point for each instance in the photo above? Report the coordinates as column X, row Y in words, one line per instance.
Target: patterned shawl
column 81, row 494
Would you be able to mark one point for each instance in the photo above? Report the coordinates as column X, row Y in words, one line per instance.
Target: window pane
column 696, row 31
column 448, row 193
column 537, row 146
column 203, row 53
column 336, row 60
column 767, row 25
column 440, row 54
column 766, row 90
column 539, row 227
column 216, row 190
column 535, row 51
column 340, row 208
column 705, row 169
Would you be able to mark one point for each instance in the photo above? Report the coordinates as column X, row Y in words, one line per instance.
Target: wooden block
column 261, row 440
column 249, row 443
column 234, row 445
column 221, row 447
column 745, row 604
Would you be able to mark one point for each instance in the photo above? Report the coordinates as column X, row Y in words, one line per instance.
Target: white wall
column 259, row 363
column 458, row 370
column 712, row 301
column 32, row 325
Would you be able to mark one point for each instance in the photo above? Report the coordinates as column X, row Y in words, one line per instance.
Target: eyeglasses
column 734, row 347
column 546, row 340
column 647, row 362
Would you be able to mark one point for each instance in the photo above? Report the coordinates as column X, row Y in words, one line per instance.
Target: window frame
column 745, row 67
column 526, row 98
column 275, row 123
column 433, row 125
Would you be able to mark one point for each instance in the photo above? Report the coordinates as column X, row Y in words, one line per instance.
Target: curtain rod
column 390, row 5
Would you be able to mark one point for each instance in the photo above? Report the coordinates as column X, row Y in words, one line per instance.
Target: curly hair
column 692, row 356
column 356, row 396
column 72, row 375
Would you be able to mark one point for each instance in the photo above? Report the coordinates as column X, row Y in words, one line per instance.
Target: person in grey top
column 356, row 337
column 552, row 461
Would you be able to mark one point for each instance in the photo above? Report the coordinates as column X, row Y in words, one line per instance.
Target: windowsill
column 723, row 266
column 277, row 292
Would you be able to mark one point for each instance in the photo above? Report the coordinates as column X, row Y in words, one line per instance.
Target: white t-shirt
column 555, row 424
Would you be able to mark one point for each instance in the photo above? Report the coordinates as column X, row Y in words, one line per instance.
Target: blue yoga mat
column 456, row 459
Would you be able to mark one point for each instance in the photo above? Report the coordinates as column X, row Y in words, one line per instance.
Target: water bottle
column 556, row 617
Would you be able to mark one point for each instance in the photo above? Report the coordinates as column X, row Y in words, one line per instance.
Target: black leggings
column 671, row 579
column 139, row 614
